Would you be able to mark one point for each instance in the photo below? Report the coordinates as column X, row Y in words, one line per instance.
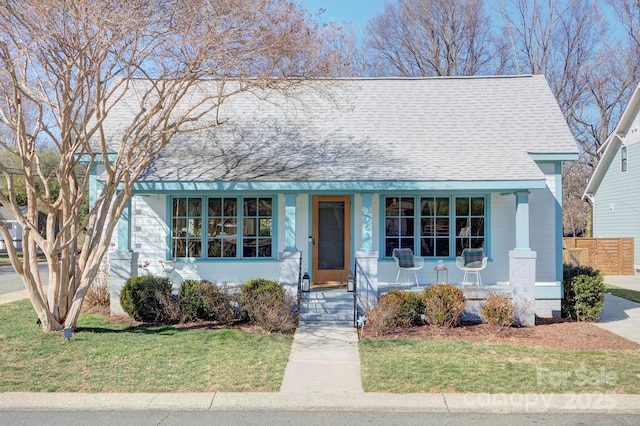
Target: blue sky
column 357, row 11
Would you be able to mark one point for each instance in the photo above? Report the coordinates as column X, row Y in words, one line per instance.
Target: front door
column 331, row 239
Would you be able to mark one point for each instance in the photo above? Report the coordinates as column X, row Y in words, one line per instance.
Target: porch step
column 323, row 306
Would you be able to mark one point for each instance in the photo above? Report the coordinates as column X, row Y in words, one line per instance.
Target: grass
column 407, row 366
column 4, row 257
column 109, row 357
column 632, row 295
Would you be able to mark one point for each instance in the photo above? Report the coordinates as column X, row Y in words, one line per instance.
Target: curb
column 324, row 401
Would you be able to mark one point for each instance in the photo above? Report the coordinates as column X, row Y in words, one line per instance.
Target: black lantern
column 351, row 283
column 305, row 287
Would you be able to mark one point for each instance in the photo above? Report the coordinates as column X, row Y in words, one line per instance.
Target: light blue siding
column 616, row 207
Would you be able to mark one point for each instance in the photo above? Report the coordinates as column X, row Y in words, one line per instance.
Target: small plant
column 141, row 297
column 98, row 292
column 410, row 307
column 499, row 312
column 443, row 305
column 383, row 317
column 583, row 293
column 265, row 303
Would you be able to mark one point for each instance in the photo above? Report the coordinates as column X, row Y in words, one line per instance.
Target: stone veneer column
column 122, row 266
column 367, row 275
column 522, row 277
column 290, row 262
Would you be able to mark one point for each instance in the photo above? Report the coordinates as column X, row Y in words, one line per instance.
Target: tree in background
column 65, row 64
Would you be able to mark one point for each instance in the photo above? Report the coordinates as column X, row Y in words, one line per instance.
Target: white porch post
column 367, row 223
column 123, row 262
column 290, row 258
column 522, row 264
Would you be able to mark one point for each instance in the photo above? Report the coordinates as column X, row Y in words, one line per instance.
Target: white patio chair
column 407, row 262
column 472, row 261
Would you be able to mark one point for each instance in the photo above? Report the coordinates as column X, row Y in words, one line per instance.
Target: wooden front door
column 331, row 239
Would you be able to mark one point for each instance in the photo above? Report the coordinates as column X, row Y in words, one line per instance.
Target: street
column 10, row 281
column 308, row 418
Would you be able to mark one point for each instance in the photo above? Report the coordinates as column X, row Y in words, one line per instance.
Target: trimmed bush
column 201, row 299
column 498, row 311
column 409, row 307
column 583, row 293
column 265, row 303
column 443, row 305
column 383, row 318
column 143, row 297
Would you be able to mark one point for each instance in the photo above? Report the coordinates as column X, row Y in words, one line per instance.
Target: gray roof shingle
column 428, row 129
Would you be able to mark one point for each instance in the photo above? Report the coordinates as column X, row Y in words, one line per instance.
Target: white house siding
column 503, row 231
column 616, row 206
column 543, row 226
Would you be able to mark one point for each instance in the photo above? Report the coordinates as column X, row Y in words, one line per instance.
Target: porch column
column 522, row 221
column 367, row 276
column 124, row 229
column 122, row 266
column 367, row 223
column 290, row 222
column 522, row 277
column 290, row 262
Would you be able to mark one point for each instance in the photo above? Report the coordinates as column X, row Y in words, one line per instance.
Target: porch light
column 306, row 283
column 351, row 283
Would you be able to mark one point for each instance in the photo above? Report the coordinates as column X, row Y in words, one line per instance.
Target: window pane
column 477, row 243
column 462, row 207
column 179, row 207
column 215, row 227
column 229, row 248
column 406, row 207
column 390, row 244
column 477, row 207
column 250, row 207
column 249, row 247
column 195, row 209
column 407, row 227
column 428, row 207
column 215, row 207
column 195, row 227
column 264, row 248
column 477, row 227
column 180, row 227
column 215, row 248
column 426, row 247
column 392, row 207
column 442, row 227
column 230, row 207
column 179, row 247
column 442, row 206
column 407, row 243
column 195, row 247
column 393, row 227
column 265, row 227
column 265, row 207
column 427, row 227
column 462, row 227
column 230, row 227
column 442, row 247
column 249, row 228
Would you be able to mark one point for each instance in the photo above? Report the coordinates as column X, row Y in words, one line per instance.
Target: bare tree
column 418, row 38
column 63, row 67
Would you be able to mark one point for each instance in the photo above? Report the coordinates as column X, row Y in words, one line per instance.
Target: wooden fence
column 612, row 256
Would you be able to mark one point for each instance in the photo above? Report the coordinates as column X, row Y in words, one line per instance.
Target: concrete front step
column 327, row 306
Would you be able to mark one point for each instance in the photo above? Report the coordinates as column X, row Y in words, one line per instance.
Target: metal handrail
column 358, row 267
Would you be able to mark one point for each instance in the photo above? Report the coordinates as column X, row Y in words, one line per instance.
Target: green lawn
column 108, row 357
column 632, row 295
column 405, row 366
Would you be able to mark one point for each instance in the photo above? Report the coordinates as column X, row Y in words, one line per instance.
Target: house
column 14, row 229
column 613, row 186
column 331, row 178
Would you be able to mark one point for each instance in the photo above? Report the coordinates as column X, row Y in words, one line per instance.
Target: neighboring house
column 615, row 183
column 14, row 229
column 343, row 171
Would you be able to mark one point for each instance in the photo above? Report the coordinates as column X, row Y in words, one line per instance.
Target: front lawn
column 111, row 357
column 632, row 295
column 424, row 365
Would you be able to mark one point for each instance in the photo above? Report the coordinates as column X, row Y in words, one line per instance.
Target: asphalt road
column 10, row 281
column 308, row 418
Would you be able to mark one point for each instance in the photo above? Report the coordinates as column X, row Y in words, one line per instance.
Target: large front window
column 434, row 226
column 231, row 232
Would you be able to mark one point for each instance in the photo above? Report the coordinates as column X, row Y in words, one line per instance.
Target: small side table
column 438, row 269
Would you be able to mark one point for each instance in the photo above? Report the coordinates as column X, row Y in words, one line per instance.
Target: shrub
column 409, row 307
column 140, row 297
column 265, row 303
column 583, row 293
column 200, row 299
column 382, row 318
column 191, row 300
column 443, row 305
column 498, row 311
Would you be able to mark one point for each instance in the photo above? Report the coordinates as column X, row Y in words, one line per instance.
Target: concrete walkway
column 323, row 358
column 621, row 316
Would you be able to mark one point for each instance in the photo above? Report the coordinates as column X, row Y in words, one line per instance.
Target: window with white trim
column 231, row 232
column 438, row 227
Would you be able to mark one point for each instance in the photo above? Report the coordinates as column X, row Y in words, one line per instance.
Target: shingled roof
column 391, row 129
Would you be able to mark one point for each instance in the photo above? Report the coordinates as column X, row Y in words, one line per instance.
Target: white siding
column 543, row 227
